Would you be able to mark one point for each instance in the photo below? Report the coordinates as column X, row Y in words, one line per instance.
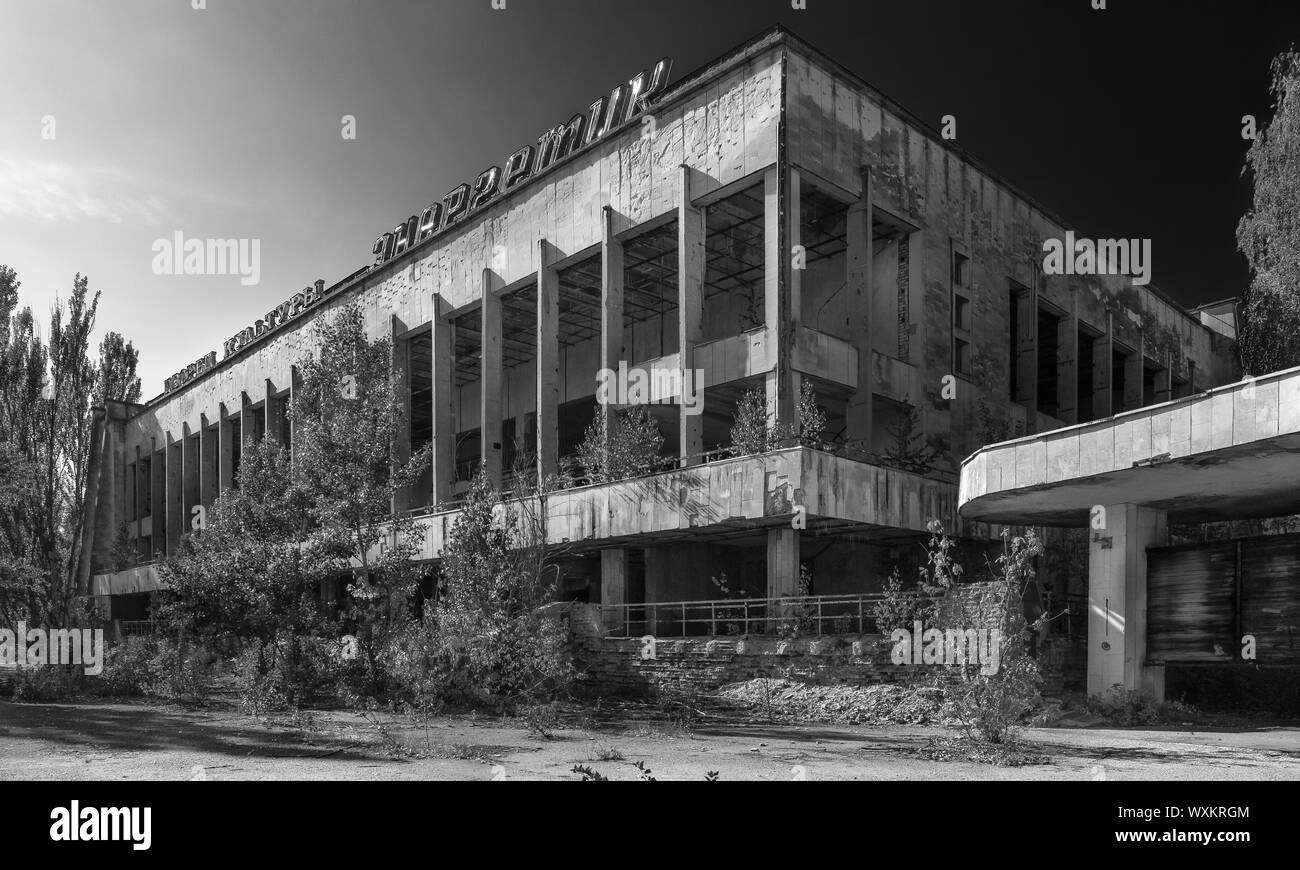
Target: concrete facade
column 1227, row 453
column 779, row 222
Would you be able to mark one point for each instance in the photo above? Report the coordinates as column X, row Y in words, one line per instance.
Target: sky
column 225, row 122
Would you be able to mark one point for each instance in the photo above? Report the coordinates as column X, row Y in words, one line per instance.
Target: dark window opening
column 146, row 501
column 1150, row 384
column 960, row 269
column 1117, row 382
column 236, row 442
column 1014, row 343
column 1083, row 375
column 1048, row 346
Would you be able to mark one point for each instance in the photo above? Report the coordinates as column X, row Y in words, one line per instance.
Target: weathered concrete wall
column 724, row 131
column 835, row 125
column 1057, row 477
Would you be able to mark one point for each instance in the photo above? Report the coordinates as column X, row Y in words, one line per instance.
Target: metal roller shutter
column 1270, row 597
column 1191, row 603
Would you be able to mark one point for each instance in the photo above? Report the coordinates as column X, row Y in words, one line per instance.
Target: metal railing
column 804, row 615
column 136, row 627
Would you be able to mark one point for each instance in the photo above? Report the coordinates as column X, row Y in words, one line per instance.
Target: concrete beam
column 491, row 363
column 1117, row 599
column 690, row 313
column 548, row 363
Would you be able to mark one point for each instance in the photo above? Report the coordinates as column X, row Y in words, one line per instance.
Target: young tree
column 496, row 646
column 348, row 417
column 118, row 381
column 45, row 407
column 1269, row 233
column 751, row 432
column 631, row 448
column 910, row 451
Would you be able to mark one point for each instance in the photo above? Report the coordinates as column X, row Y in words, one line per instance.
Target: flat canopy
column 1229, row 453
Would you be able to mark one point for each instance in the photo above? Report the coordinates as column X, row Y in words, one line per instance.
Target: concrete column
column 490, row 366
column 225, row 450
column 401, row 501
column 444, row 430
column 295, row 386
column 1102, row 347
column 782, row 570
column 1117, row 599
column 548, row 364
column 208, row 450
column 175, row 497
column 789, row 294
column 245, row 425
column 274, row 415
column 611, row 305
column 613, row 587
column 158, row 500
column 1134, row 370
column 141, row 499
column 191, row 453
column 859, row 265
column 1027, row 352
column 1165, row 380
column 1067, row 361
column 690, row 317
column 782, row 562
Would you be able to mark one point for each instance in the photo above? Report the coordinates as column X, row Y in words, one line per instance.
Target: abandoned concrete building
column 766, row 221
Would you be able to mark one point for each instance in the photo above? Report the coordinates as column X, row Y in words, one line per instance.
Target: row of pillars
column 1101, row 378
column 781, row 225
column 782, row 576
column 192, row 470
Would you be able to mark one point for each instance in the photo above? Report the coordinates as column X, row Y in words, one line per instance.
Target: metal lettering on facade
column 601, row 118
column 190, row 372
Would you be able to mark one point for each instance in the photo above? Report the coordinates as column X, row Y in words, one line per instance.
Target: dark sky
column 225, row 122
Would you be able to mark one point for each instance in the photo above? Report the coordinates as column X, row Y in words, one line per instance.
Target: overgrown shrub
column 283, row 674
column 987, row 702
column 156, row 666
column 1120, row 706
column 45, row 683
column 900, row 606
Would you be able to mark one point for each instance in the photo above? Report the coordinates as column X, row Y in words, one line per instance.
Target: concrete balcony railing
column 722, row 495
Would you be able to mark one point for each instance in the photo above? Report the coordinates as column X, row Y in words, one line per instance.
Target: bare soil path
column 151, row 741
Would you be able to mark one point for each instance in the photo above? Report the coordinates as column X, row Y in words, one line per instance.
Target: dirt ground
column 150, row 741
